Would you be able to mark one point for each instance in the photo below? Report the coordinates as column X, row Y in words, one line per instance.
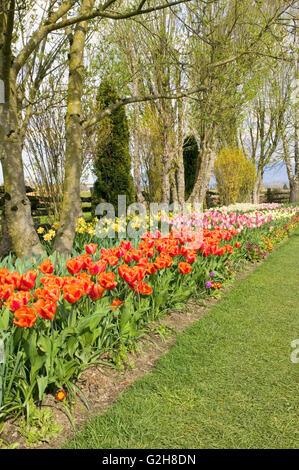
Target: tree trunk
column 293, row 174
column 257, row 187
column 136, row 156
column 294, row 192
column 71, row 204
column 208, row 157
column 167, row 161
column 18, row 218
column 169, row 152
column 136, row 130
column 294, row 185
column 180, row 159
column 5, row 241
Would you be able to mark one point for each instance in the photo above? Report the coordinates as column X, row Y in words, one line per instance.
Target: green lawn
column 228, row 381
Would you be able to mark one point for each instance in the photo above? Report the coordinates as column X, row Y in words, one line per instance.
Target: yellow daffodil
column 47, row 237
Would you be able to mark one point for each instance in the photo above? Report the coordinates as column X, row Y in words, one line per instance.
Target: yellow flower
column 52, row 233
column 40, row 230
column 56, row 225
column 47, row 237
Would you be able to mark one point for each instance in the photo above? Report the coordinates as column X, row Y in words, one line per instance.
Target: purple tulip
column 208, row 284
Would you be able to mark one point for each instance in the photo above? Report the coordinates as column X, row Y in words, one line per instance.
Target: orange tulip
column 150, row 269
column 45, row 308
column 18, row 300
column 127, row 257
column 13, row 279
column 137, row 255
column 116, row 303
column 123, row 269
column 96, row 292
column 74, row 265
column 107, row 280
column 112, row 260
column 185, row 268
column 50, row 281
column 72, row 293
column 25, row 317
column 51, row 293
column 126, row 245
column 97, row 267
column 118, row 251
column 27, row 281
column 191, row 257
column 3, row 274
column 143, row 288
column 6, row 291
column 46, row 267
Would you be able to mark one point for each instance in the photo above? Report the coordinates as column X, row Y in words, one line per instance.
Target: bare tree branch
column 138, row 99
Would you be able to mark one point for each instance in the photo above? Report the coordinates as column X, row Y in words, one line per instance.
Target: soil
column 102, row 385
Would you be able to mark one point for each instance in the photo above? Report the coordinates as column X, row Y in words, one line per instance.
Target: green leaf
column 42, row 383
column 36, row 366
column 4, row 319
column 45, row 344
column 72, row 345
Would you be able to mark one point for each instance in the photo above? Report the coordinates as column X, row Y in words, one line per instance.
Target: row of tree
column 194, row 76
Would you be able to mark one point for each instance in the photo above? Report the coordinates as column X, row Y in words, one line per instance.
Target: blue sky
column 276, row 174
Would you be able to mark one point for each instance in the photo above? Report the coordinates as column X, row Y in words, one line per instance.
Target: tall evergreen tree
column 191, row 163
column 112, row 165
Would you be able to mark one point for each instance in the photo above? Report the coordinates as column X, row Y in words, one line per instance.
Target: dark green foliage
column 191, row 163
column 113, row 162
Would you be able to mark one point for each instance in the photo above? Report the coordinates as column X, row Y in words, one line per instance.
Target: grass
column 227, row 382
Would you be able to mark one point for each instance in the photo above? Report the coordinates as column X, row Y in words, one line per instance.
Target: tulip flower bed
column 58, row 317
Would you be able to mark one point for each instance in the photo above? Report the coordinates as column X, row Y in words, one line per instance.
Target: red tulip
column 91, row 248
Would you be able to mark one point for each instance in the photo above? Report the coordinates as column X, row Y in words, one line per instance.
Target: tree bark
column 258, row 186
column 17, row 209
column 71, row 204
column 293, row 176
column 180, row 159
column 208, row 156
column 136, row 153
column 169, row 152
column 294, row 187
column 5, row 241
